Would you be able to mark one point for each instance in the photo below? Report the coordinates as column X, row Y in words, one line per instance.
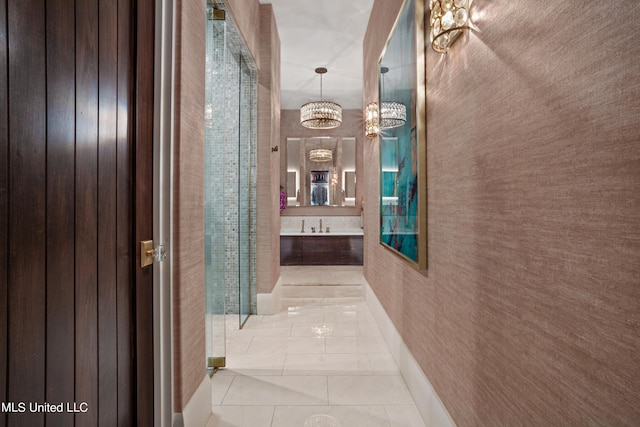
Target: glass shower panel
column 215, row 94
column 230, row 181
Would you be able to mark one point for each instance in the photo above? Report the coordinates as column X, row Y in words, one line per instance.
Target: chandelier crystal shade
column 449, row 18
column 392, row 114
column 320, row 155
column 321, row 114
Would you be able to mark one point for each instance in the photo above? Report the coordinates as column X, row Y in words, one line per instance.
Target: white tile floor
column 325, row 357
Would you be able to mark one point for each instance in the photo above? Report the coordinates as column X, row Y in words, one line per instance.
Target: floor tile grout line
column 227, row 391
column 273, row 415
column 328, row 400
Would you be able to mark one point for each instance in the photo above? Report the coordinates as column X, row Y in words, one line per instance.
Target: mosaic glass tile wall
column 230, row 172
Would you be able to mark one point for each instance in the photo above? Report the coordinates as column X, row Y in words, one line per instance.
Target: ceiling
column 321, row 33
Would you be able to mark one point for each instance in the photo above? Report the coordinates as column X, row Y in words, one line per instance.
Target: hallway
column 318, row 356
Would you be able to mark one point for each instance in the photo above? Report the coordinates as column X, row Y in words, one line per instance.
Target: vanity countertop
column 307, row 232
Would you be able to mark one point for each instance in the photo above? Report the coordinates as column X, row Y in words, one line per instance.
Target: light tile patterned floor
column 324, row 357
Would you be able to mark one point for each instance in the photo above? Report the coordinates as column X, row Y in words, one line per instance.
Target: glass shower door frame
column 214, row 223
column 245, row 131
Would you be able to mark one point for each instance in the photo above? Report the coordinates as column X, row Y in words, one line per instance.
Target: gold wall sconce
column 372, row 120
column 449, row 18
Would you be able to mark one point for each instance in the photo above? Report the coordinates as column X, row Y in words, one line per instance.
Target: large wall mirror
column 321, row 171
column 403, row 177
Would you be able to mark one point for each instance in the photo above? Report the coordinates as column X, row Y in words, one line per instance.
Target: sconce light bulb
column 448, row 20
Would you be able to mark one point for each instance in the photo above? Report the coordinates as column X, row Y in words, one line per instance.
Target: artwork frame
column 403, row 169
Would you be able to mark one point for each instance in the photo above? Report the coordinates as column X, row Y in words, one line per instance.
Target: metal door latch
column 149, row 254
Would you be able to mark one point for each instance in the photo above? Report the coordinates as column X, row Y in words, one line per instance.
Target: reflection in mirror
column 350, row 186
column 293, row 172
column 349, row 171
column 291, row 182
column 321, row 171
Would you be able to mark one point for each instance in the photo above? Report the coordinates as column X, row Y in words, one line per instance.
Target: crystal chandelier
column 448, row 19
column 392, row 114
column 321, row 114
column 320, row 155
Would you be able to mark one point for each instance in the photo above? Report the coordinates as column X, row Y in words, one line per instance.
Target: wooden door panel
column 27, row 184
column 86, row 183
column 60, row 366
column 76, row 112
column 144, row 207
column 107, row 213
column 125, row 262
column 4, row 205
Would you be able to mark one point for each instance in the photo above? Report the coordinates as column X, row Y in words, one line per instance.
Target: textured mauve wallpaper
column 188, row 275
column 268, row 180
column 529, row 313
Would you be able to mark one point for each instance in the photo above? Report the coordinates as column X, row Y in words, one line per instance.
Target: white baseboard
column 270, row 303
column 429, row 404
column 198, row 410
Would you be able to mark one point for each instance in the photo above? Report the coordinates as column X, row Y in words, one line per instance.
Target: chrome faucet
column 302, row 231
column 321, row 225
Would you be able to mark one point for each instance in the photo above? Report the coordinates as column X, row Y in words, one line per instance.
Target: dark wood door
column 76, row 124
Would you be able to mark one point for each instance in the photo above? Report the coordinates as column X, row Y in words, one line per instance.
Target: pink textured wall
column 268, row 185
column 188, row 239
column 257, row 26
column 529, row 313
column 246, row 15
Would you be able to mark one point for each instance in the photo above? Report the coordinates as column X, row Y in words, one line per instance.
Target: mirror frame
column 410, row 179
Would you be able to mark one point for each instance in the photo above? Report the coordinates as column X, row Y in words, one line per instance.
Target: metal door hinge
column 216, row 362
column 149, row 254
column 215, row 14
